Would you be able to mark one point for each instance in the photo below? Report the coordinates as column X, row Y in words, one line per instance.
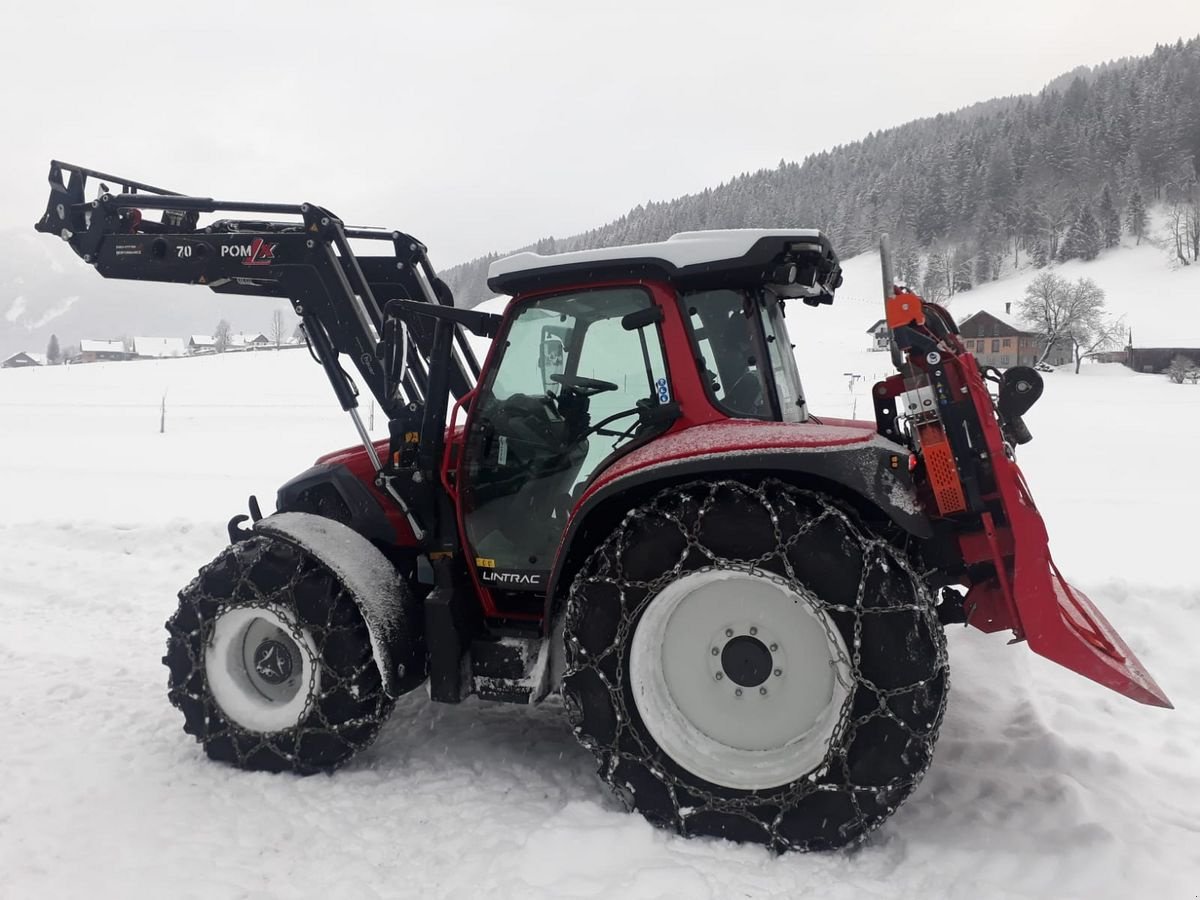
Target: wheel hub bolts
column 746, row 660
column 272, row 662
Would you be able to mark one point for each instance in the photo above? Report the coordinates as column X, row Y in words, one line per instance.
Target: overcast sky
column 483, row 126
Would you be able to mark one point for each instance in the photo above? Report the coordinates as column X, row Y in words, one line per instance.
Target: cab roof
column 742, row 257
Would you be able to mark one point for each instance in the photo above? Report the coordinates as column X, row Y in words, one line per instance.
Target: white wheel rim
column 708, row 710
column 261, row 668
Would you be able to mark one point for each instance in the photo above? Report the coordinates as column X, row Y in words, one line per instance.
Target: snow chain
column 325, row 622
column 765, row 807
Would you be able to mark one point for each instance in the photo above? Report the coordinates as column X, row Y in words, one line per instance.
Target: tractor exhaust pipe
column 889, row 291
column 885, row 259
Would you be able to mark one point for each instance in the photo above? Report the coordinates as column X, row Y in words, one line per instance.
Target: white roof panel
column 688, row 248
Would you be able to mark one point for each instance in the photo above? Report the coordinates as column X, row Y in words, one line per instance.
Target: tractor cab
column 604, row 350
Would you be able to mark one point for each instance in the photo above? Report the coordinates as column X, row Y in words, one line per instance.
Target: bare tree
column 1102, row 334
column 278, row 327
column 1181, row 369
column 1183, row 221
column 1177, row 232
column 222, row 336
column 1191, row 221
column 1062, row 312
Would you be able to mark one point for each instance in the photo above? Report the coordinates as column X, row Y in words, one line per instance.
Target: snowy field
column 1043, row 785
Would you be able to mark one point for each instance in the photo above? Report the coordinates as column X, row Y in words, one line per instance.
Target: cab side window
column 723, row 329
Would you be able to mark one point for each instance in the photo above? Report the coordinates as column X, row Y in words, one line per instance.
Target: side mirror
column 552, row 360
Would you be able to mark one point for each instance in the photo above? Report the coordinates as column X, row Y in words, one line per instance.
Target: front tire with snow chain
column 751, row 662
column 271, row 661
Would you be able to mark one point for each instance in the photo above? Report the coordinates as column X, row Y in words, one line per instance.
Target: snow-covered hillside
column 1160, row 303
column 1043, row 785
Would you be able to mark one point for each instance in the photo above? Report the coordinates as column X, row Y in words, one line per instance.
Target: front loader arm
column 306, row 258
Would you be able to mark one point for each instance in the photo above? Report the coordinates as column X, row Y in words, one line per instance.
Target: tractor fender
column 857, row 462
column 370, row 578
column 341, row 486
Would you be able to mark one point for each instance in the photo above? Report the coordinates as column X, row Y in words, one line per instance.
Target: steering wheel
column 585, row 387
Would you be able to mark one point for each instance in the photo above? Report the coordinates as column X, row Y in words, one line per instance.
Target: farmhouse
column 99, row 351
column 23, row 360
column 880, row 335
column 157, row 347
column 1000, row 343
column 201, row 343
column 243, row 341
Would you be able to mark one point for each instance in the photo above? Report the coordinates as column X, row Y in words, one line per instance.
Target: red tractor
column 629, row 504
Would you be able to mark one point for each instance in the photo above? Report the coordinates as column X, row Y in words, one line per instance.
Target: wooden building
column 102, row 351
column 1000, row 343
column 23, row 360
column 880, row 335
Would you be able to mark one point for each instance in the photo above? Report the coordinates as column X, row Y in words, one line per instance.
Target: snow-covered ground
column 1044, row 784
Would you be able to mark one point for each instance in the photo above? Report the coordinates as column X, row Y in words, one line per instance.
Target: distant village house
column 243, row 341
column 23, row 360
column 157, row 347
column 201, row 343
column 102, row 351
column 995, row 342
column 880, row 335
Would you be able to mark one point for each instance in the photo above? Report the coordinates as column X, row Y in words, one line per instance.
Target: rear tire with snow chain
column 272, row 664
column 751, row 662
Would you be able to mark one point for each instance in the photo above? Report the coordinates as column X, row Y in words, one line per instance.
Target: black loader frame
column 389, row 313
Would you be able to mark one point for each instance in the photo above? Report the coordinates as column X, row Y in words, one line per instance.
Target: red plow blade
column 1063, row 625
column 1059, row 621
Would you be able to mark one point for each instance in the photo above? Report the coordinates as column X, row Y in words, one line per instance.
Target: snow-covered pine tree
column 906, row 261
column 1029, row 227
column 933, row 220
column 1083, row 237
column 983, row 267
column 1001, row 190
column 963, row 264
column 1110, row 219
column 1136, row 219
column 1093, row 236
column 934, row 287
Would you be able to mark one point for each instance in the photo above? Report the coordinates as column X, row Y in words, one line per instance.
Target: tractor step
column 510, row 669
